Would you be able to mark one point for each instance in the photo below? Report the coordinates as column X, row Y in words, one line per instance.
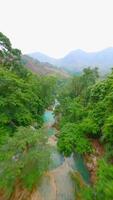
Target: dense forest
column 24, row 154
column 84, row 115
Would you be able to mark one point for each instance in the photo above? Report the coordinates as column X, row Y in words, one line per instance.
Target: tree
column 24, row 153
column 108, row 129
column 71, row 139
column 24, row 157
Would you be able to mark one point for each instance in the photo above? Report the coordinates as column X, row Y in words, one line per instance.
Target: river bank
column 92, row 159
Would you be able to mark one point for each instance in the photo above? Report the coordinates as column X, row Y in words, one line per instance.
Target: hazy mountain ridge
column 43, row 57
column 43, row 68
column 79, row 59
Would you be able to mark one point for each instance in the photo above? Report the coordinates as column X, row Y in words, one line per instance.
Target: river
column 57, row 183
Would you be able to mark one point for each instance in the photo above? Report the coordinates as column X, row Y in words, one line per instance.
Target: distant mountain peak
column 78, row 59
column 42, row 57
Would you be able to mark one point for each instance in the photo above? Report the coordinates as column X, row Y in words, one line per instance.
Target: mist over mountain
column 76, row 60
column 43, row 68
column 43, row 57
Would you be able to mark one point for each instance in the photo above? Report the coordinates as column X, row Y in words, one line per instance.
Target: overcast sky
column 55, row 27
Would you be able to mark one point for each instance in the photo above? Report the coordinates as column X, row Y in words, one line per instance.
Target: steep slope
column 77, row 60
column 43, row 68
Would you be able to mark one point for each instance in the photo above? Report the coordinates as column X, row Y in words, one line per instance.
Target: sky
column 56, row 27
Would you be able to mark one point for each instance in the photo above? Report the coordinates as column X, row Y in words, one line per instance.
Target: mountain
column 43, row 58
column 43, row 68
column 76, row 60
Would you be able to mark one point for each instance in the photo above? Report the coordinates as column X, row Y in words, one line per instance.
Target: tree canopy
column 86, row 113
column 24, row 96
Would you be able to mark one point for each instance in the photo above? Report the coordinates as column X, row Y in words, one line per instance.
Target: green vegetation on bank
column 24, row 154
column 85, row 113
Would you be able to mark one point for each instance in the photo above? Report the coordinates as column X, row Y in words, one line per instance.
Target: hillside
column 43, row 68
column 76, row 60
column 43, row 58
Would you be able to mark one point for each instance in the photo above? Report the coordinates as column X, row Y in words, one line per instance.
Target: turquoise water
column 77, row 161
column 51, row 131
column 49, row 117
column 81, row 167
column 56, row 159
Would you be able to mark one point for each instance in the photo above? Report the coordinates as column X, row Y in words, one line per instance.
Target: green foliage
column 72, row 139
column 108, row 129
column 72, row 111
column 89, row 104
column 89, row 127
column 104, row 186
column 5, row 42
column 24, row 157
column 19, row 102
column 87, row 112
column 98, row 92
column 24, row 154
column 103, row 189
column 76, row 124
column 23, row 99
